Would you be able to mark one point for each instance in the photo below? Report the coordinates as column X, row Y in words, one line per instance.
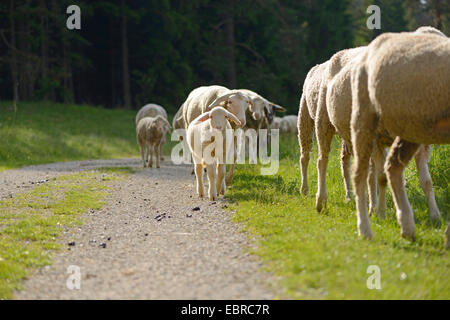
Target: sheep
column 276, row 123
column 202, row 99
column 400, row 89
column 206, row 131
column 339, row 106
column 261, row 106
column 150, row 132
column 153, row 110
column 288, row 124
column 312, row 117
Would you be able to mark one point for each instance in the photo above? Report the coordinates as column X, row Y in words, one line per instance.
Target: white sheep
column 260, row 106
column 153, row 110
column 208, row 133
column 202, row 100
column 400, row 88
column 150, row 132
column 288, row 124
column 339, row 106
column 311, row 117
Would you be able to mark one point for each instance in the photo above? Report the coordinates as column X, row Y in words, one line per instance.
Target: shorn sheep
column 208, row 133
column 400, row 89
column 153, row 110
column 150, row 133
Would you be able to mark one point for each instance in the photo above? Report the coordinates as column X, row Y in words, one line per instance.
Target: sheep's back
column 409, row 85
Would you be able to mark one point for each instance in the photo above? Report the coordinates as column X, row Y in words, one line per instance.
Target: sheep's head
column 430, row 30
column 235, row 102
column 162, row 124
column 257, row 106
column 269, row 110
column 276, row 123
column 218, row 117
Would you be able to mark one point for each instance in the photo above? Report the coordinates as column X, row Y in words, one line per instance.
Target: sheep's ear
column 204, row 117
column 233, row 118
column 278, row 108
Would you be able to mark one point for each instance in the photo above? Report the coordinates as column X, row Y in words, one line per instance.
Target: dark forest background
column 129, row 53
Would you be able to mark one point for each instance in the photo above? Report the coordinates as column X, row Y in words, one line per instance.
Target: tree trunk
column 15, row 87
column 44, row 47
column 125, row 65
column 437, row 13
column 230, row 44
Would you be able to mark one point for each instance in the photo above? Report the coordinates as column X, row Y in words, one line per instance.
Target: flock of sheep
column 393, row 93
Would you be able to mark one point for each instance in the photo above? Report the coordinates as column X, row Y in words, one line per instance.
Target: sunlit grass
column 30, row 223
column 319, row 256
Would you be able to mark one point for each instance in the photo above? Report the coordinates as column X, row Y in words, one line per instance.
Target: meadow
column 319, row 255
column 314, row 255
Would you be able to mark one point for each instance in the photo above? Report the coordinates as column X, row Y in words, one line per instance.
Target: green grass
column 30, row 223
column 319, row 256
column 44, row 132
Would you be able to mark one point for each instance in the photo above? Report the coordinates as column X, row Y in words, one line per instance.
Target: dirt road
column 157, row 246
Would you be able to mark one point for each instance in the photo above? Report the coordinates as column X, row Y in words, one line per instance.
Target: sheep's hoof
column 348, row 198
column 409, row 235
column 304, row 190
column 321, row 203
column 435, row 218
column 366, row 233
column 157, row 167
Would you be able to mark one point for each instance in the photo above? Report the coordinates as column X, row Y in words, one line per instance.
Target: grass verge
column 45, row 132
column 30, row 223
column 319, row 256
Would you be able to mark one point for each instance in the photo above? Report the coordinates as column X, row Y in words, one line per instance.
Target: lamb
column 202, row 100
column 153, row 110
column 206, row 133
column 400, row 90
column 339, row 106
column 150, row 132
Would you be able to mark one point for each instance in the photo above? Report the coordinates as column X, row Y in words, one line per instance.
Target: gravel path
column 157, row 246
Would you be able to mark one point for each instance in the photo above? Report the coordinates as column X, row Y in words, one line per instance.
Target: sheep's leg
column 379, row 157
column 142, row 147
column 163, row 140
column 447, row 237
column 372, row 186
column 158, row 154
column 399, row 155
column 220, row 184
column 212, row 191
column 229, row 178
column 305, row 133
column 152, row 151
column 346, row 170
column 147, row 150
column 199, row 175
column 422, row 157
column 325, row 134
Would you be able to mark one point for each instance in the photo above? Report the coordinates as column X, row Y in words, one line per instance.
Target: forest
column 128, row 53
